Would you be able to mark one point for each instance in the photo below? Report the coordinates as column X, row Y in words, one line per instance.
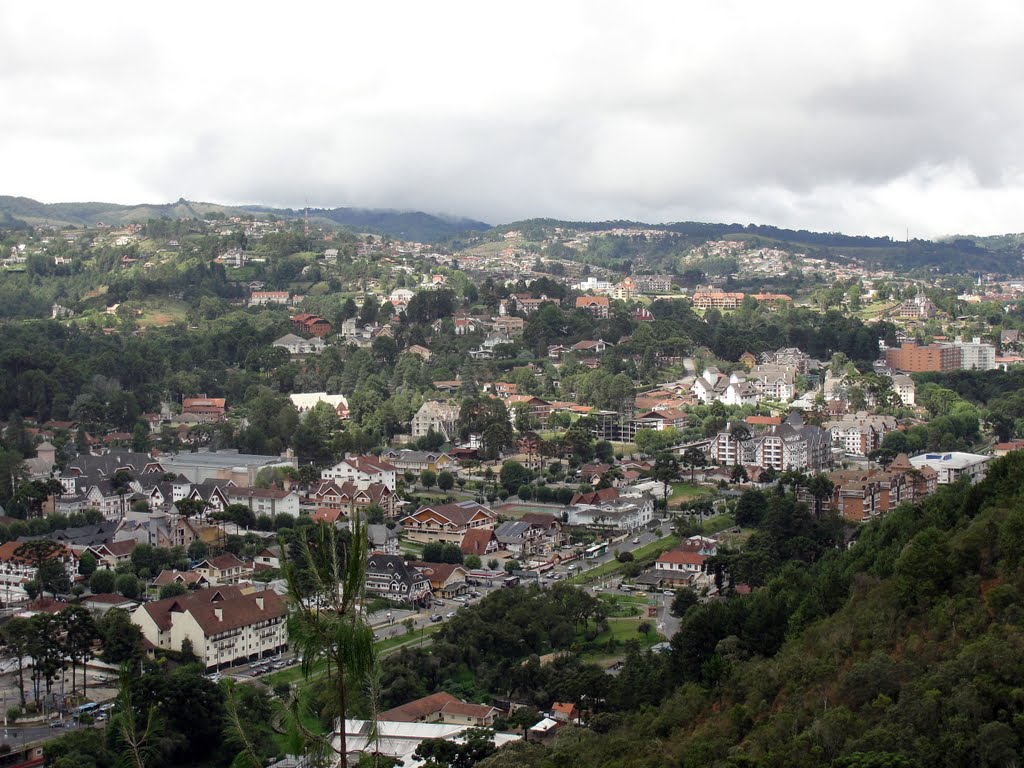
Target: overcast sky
column 878, row 119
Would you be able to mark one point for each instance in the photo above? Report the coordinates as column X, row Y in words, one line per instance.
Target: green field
column 718, row 523
column 161, row 312
column 612, row 567
column 684, row 492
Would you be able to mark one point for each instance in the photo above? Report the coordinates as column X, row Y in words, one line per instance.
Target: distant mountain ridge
column 407, row 225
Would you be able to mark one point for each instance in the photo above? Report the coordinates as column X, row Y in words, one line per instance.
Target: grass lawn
column 685, row 492
column 162, row 312
column 622, row 631
column 402, row 640
column 718, row 523
column 613, row 567
column 875, row 309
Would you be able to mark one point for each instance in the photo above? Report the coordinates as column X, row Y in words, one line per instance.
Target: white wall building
column 954, row 465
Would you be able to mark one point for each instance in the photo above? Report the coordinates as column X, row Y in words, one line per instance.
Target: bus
column 595, row 551
column 87, row 709
column 511, row 581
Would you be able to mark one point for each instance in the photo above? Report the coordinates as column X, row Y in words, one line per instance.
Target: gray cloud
column 869, row 120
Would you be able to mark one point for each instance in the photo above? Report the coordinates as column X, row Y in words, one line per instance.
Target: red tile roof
column 419, row 709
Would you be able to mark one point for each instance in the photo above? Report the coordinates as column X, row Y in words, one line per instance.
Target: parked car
column 636, row 540
column 437, row 617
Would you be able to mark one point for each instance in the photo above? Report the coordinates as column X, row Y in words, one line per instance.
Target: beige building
column 225, row 625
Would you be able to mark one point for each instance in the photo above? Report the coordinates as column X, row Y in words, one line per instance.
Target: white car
column 636, row 540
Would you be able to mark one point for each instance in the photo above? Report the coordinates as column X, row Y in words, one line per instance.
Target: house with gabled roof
column 447, row 580
column 391, row 577
column 441, row 707
column 363, row 470
column 190, row 579
column 447, row 522
column 595, row 305
column 480, row 542
column 225, row 625
column 110, row 555
column 352, row 500
column 417, row 461
column 224, row 569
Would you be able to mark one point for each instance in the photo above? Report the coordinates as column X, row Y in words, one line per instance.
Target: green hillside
column 905, row 650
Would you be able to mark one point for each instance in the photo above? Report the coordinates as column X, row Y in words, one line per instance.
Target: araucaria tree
column 325, row 584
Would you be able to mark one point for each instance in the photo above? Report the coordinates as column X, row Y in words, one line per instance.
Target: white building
column 362, row 471
column 954, row 465
column 265, row 501
column 296, row 345
column 621, row 515
column 905, row 388
column 975, row 355
column 437, row 416
column 304, row 401
column 224, row 624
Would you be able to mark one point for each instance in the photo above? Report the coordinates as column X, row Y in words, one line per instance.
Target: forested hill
column 404, row 225
column 963, row 253
column 906, row 650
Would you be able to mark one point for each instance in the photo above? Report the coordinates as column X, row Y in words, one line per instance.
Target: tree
column 445, row 480
column 188, row 508
column 512, row 565
column 79, row 633
column 44, row 554
column 339, row 635
column 87, row 564
column 17, row 636
column 472, row 562
column 428, row 478
column 693, row 457
column 138, row 738
column 683, row 600
column 128, row 585
column 821, row 488
column 174, row 589
column 198, row 550
column 493, row 564
column 512, row 475
column 102, row 582
column 625, row 557
column 122, row 640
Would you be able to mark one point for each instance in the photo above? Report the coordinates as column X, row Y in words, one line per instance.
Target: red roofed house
column 679, row 566
column 440, row 708
column 447, row 522
column 446, row 579
column 595, row 305
column 203, row 409
column 16, row 570
column 109, row 555
column 190, row 579
column 565, row 713
column 224, row 569
column 595, row 497
column 103, row 602
column 479, row 542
